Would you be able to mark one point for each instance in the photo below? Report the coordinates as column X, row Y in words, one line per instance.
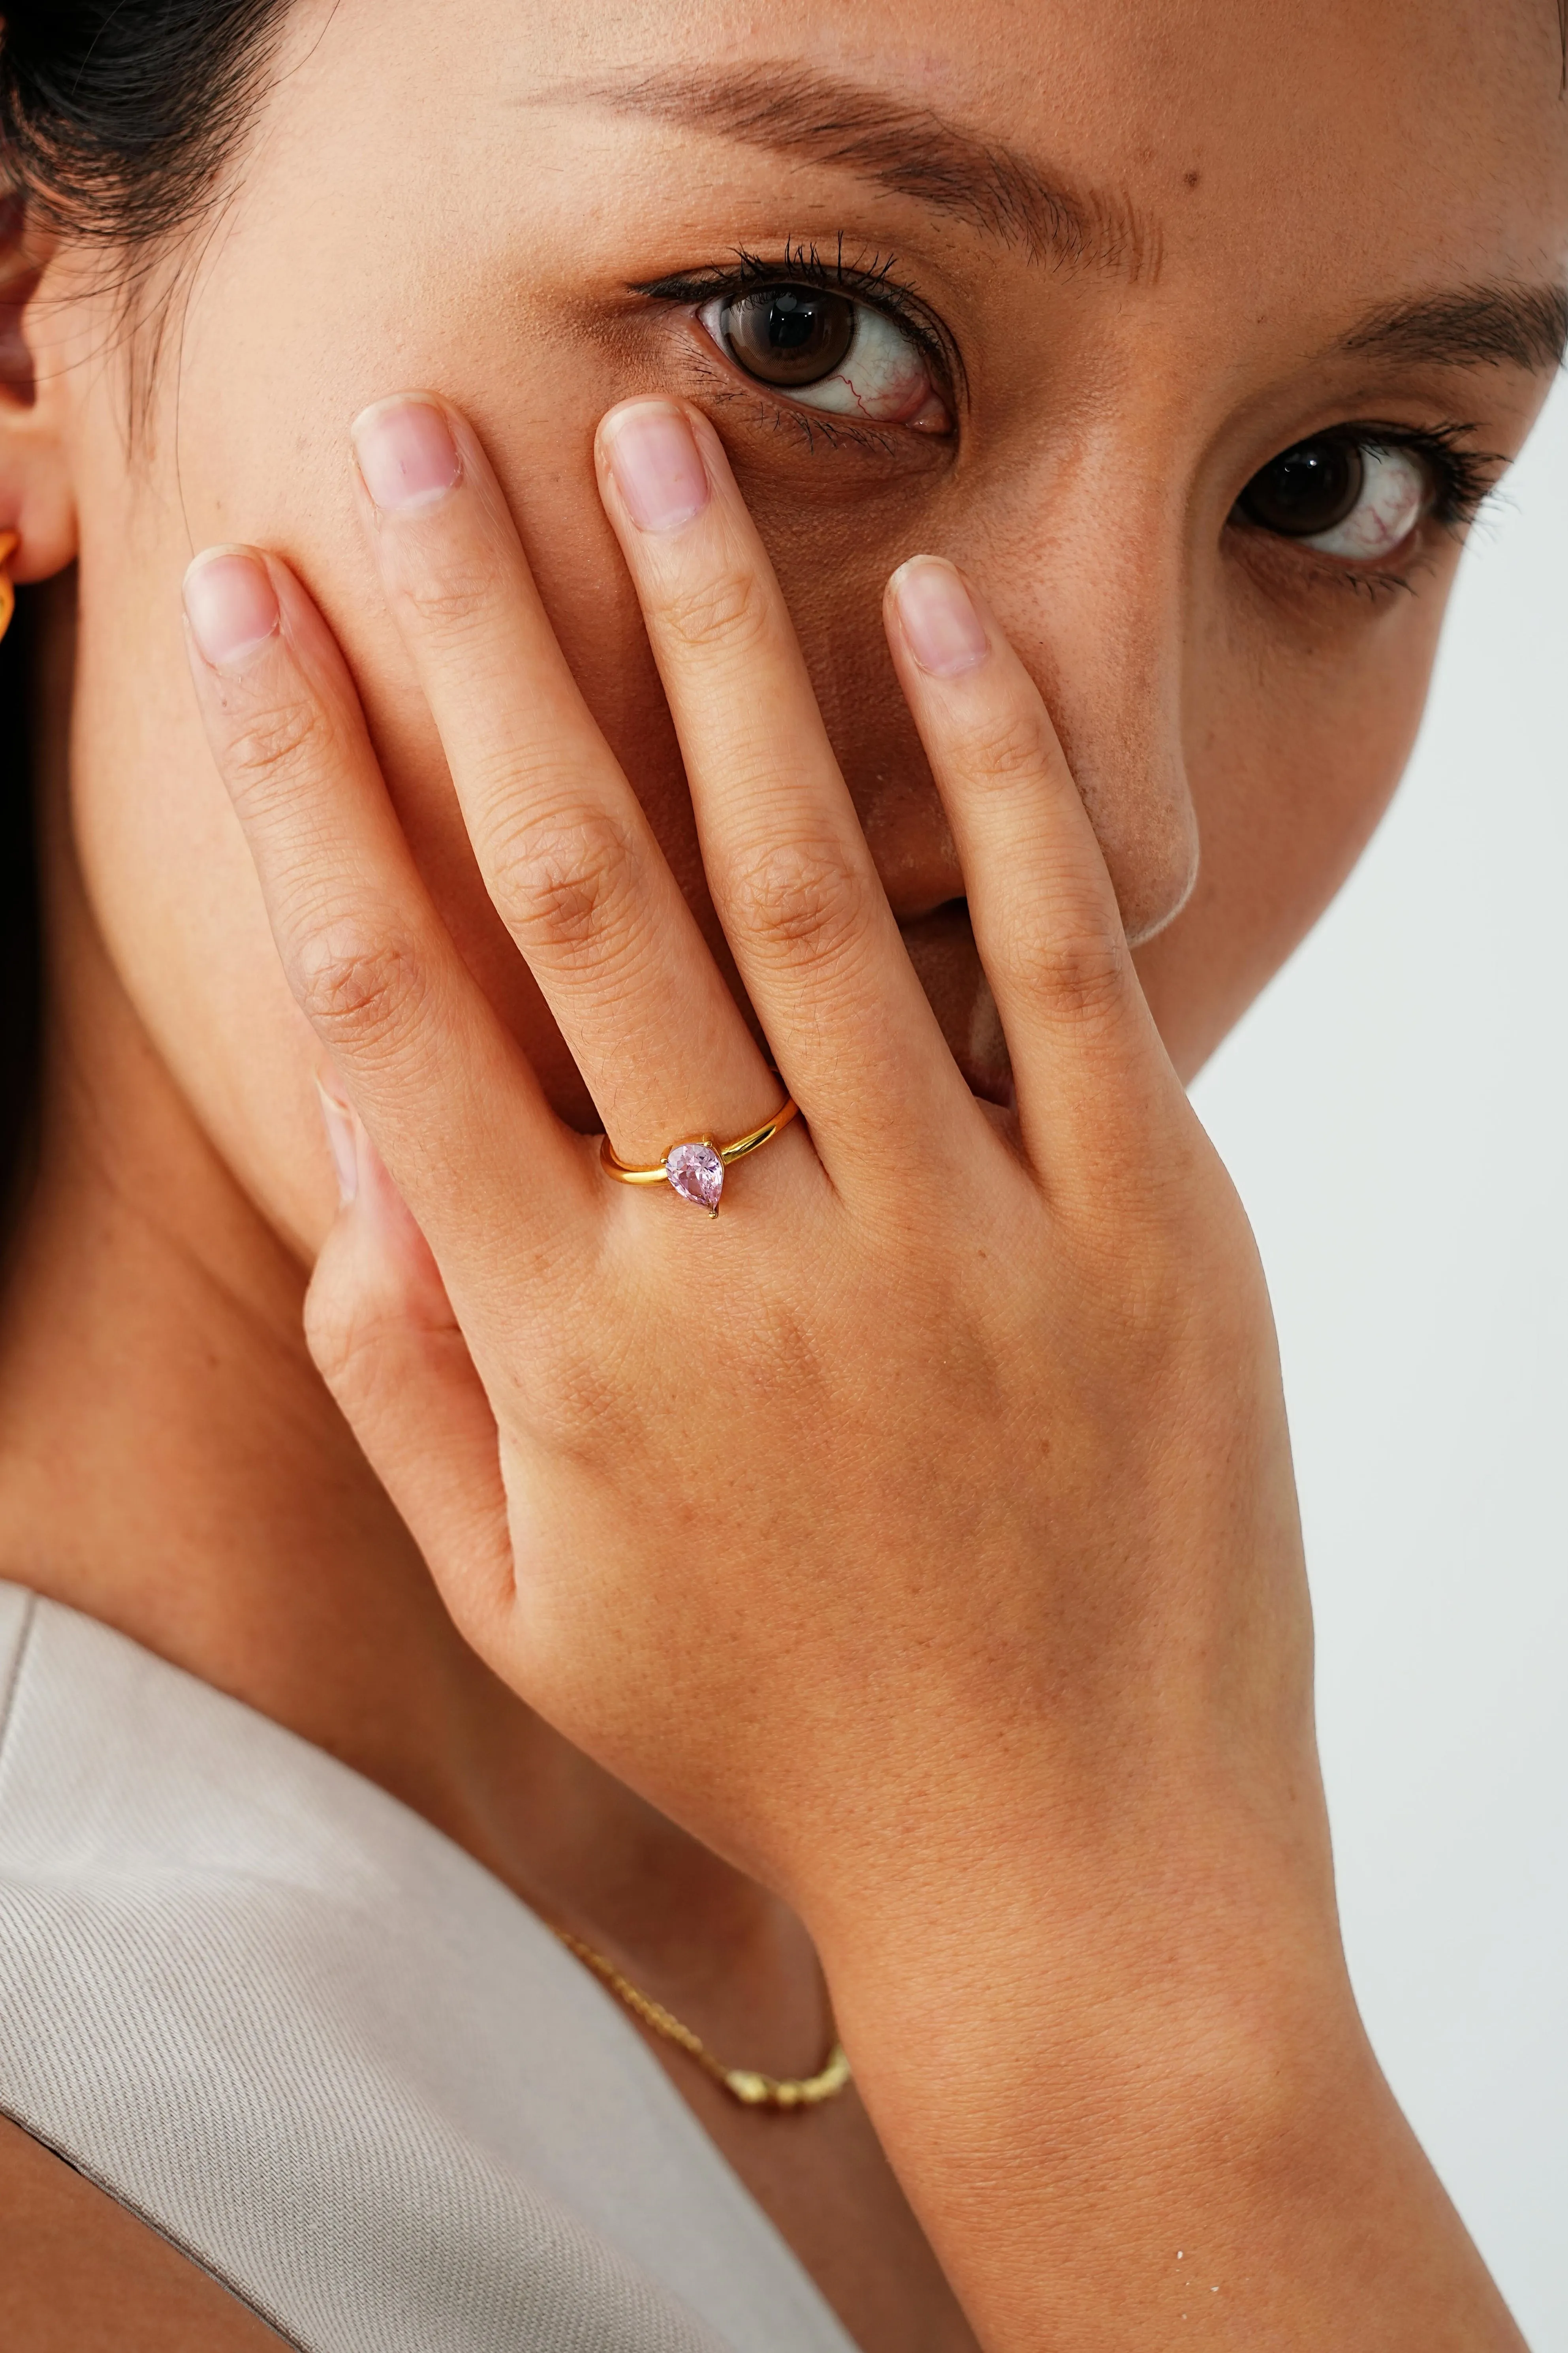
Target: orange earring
column 10, row 541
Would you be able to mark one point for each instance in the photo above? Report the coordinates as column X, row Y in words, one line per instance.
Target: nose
column 1086, row 569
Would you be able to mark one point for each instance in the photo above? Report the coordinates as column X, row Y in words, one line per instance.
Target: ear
column 38, row 497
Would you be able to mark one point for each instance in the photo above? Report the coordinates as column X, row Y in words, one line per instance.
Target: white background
column 1396, row 1113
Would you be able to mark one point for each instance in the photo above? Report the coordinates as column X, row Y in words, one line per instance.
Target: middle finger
column 792, row 876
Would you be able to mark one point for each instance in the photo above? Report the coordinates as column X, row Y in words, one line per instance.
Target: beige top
column 327, row 2054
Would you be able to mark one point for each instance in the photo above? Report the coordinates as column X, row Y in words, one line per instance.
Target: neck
column 171, row 1463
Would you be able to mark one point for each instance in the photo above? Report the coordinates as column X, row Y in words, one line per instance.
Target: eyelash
column 1463, row 479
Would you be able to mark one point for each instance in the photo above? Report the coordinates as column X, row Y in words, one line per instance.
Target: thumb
column 382, row 1333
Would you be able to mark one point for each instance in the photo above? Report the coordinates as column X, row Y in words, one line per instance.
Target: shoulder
column 83, row 2275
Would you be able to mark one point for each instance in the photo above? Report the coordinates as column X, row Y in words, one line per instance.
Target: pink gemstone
column 697, row 1174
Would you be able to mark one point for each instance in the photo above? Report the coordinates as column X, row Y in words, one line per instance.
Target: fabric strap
column 326, row 2053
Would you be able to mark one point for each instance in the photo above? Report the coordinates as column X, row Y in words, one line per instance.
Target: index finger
column 1086, row 1054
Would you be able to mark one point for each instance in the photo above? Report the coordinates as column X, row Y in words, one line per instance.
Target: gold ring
column 696, row 1167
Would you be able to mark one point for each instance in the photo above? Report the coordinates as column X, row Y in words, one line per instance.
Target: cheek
column 1291, row 765
column 173, row 897
column 832, row 559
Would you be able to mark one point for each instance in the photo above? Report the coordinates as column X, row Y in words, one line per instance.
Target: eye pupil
column 790, row 335
column 1306, row 489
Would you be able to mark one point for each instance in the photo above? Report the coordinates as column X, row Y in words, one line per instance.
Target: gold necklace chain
column 743, row 2084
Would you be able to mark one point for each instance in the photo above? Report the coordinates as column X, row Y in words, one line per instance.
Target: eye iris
column 790, row 335
column 1306, row 489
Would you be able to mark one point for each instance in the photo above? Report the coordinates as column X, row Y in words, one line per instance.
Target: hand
column 922, row 1532
column 954, row 1427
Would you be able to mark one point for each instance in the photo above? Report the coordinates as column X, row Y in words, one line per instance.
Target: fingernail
column 231, row 607
column 937, row 614
column 407, row 455
column 338, row 1120
column 658, row 466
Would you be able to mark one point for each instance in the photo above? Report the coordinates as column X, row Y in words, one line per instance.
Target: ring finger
column 567, row 852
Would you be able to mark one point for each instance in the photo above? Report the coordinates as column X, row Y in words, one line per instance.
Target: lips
column 942, row 951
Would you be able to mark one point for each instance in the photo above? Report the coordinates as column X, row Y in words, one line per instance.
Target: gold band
column 727, row 1151
column 695, row 1167
column 752, row 2089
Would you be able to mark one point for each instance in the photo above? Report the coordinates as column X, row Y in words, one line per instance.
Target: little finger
column 452, row 1101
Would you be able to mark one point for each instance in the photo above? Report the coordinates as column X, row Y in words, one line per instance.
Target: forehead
column 1274, row 170
column 1340, row 131
column 1403, row 137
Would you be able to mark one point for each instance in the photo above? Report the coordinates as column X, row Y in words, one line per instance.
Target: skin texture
column 81, row 2271
column 1213, row 696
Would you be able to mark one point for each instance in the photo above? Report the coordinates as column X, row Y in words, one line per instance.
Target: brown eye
column 1361, row 500
column 1307, row 490
column 825, row 350
column 789, row 335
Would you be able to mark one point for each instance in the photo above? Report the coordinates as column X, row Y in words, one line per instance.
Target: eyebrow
column 915, row 151
column 911, row 151
column 1501, row 326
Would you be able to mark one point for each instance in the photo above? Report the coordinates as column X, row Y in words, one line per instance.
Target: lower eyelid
column 1297, row 575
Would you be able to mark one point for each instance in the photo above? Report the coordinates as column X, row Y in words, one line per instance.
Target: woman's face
column 1111, row 260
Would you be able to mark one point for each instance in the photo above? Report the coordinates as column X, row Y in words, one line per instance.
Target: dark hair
column 116, row 119
column 116, row 116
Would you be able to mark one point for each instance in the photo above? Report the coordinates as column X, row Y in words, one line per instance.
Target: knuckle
column 358, row 1341
column 1007, row 747
column 802, row 900
column 1077, row 967
column 725, row 613
column 343, row 1338
column 449, row 598
column 272, row 744
column 565, row 889
column 351, row 988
